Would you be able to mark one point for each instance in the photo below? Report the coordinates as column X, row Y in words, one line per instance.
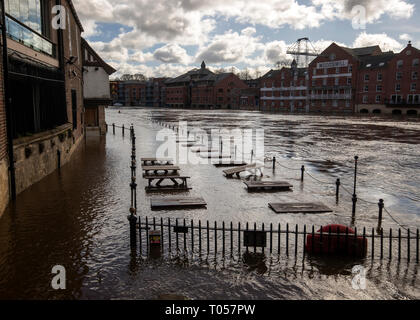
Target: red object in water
column 336, row 240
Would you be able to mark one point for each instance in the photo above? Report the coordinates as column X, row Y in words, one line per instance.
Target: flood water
column 77, row 217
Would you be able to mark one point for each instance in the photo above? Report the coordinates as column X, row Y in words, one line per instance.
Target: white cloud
column 172, row 53
column 382, row 39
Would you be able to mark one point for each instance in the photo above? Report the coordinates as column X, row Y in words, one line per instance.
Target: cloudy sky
column 168, row 37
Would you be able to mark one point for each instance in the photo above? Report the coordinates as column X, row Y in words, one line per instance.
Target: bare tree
column 126, row 77
column 140, row 77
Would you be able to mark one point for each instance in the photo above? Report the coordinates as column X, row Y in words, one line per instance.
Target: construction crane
column 302, row 51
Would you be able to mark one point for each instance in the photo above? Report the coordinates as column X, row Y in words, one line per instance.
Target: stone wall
column 4, row 163
column 37, row 156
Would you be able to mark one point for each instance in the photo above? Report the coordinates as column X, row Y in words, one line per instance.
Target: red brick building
column 135, row 93
column 201, row 88
column 333, row 78
column 285, row 90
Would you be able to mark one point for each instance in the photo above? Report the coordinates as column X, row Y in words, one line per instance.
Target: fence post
column 58, row 159
column 274, row 163
column 381, row 207
column 303, row 173
column 133, row 222
column 123, row 130
column 337, row 191
column 113, row 128
column 106, row 127
column 252, row 155
column 354, row 199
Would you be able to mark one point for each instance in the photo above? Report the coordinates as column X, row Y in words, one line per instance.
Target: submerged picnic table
column 155, row 161
column 273, row 185
column 297, row 207
column 179, row 183
column 177, row 203
column 238, row 170
column 156, row 169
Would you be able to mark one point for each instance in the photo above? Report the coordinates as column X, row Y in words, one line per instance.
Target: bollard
column 303, row 173
column 252, row 155
column 113, row 128
column 133, row 223
column 354, row 198
column 274, row 163
column 337, row 191
column 381, row 206
column 123, row 130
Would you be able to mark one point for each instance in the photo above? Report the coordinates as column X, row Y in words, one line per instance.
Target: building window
column 398, row 76
column 335, row 103
column 379, row 77
column 337, row 70
column 378, row 88
column 400, row 63
column 366, row 89
column 314, row 71
column 324, row 103
column 336, row 81
column 349, row 81
column 366, row 77
column 378, row 99
column 313, row 83
column 415, row 62
column 350, row 68
column 414, row 75
column 365, row 99
column 282, row 75
column 398, row 87
column 324, row 82
column 325, row 71
column 413, row 87
column 347, row 103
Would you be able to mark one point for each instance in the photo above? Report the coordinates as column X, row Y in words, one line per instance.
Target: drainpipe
column 8, row 106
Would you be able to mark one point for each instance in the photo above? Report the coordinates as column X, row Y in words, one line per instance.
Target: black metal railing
column 232, row 239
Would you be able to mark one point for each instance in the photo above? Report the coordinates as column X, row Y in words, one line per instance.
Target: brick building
column 285, row 90
column 45, row 81
column 201, row 88
column 4, row 161
column 135, row 93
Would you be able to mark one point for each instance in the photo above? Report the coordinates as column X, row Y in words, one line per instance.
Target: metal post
column 337, row 191
column 303, row 173
column 274, row 163
column 58, row 159
column 252, row 155
column 133, row 222
column 354, row 199
column 113, row 128
column 123, row 130
column 381, row 207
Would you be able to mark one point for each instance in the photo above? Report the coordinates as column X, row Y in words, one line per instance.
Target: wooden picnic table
column 298, row 207
column 177, row 203
column 263, row 185
column 155, row 161
column 179, row 183
column 238, row 170
column 156, row 169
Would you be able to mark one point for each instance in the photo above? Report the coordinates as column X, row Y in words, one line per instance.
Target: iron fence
column 229, row 239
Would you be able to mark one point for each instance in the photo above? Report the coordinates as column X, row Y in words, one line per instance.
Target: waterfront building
column 45, row 96
column 96, row 89
column 202, row 88
column 285, row 90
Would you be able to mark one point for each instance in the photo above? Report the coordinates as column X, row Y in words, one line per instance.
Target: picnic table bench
column 238, row 170
column 177, row 203
column 156, row 169
column 179, row 183
column 155, row 161
column 264, row 185
column 298, row 207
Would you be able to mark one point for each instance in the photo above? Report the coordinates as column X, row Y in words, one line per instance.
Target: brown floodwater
column 77, row 217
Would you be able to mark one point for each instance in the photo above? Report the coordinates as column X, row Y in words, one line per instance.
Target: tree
column 140, row 77
column 126, row 77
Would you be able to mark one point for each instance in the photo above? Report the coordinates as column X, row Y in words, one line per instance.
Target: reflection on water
column 78, row 217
